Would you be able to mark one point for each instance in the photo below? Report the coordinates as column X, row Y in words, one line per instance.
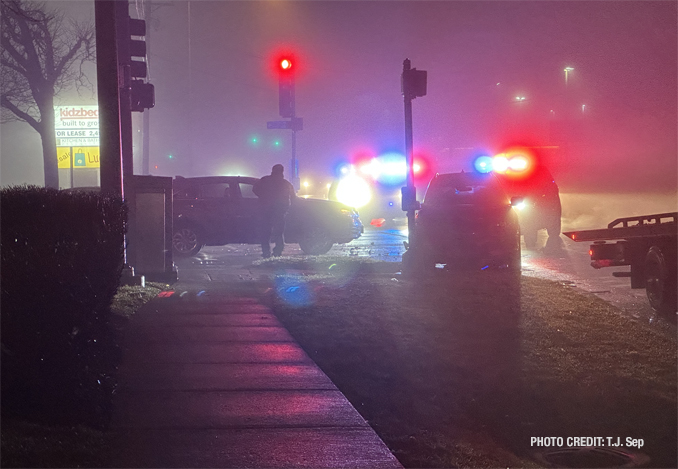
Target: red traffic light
column 286, row 64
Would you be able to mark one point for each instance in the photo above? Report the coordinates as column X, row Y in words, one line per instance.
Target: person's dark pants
column 273, row 226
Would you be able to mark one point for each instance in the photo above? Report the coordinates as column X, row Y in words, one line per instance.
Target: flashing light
column 416, row 167
column 483, row 164
column 388, row 169
column 519, row 206
column 343, row 169
column 500, row 164
column 518, row 163
column 354, row 191
column 306, row 184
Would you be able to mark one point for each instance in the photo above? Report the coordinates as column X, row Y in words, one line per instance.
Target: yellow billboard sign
column 82, row 157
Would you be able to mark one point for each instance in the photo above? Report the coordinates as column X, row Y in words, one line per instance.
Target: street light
column 567, row 69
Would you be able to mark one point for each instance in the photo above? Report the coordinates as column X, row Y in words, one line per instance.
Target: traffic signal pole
column 116, row 92
column 409, row 158
column 286, row 108
column 109, row 97
column 413, row 84
column 293, row 162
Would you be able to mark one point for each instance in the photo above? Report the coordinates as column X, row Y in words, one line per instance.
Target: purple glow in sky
column 496, row 76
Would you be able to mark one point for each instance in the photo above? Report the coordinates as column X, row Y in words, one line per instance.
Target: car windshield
column 464, row 189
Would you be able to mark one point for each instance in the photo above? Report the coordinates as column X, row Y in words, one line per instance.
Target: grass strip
column 27, row 444
column 462, row 369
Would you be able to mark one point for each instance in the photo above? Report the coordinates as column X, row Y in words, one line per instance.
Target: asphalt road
column 563, row 261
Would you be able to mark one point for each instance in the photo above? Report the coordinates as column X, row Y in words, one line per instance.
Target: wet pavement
column 210, row 378
column 563, row 261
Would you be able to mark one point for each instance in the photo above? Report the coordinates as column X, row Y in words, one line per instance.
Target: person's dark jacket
column 274, row 192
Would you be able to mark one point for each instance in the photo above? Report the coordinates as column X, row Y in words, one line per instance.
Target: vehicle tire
column 316, row 241
column 186, row 241
column 530, row 237
column 660, row 281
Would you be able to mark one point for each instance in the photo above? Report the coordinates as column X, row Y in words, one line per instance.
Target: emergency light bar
column 501, row 163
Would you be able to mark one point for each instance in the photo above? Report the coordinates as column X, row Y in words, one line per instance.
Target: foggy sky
column 479, row 56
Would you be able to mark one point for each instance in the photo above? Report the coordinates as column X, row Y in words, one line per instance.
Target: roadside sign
column 83, row 157
column 77, row 136
column 296, row 123
column 278, row 125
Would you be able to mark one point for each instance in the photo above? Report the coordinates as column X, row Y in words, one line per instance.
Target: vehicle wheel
column 660, row 281
column 186, row 241
column 316, row 241
column 530, row 237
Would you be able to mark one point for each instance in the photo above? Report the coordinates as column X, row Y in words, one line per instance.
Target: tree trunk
column 49, row 151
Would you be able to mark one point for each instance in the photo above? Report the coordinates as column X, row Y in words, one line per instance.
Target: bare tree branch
column 41, row 55
column 22, row 115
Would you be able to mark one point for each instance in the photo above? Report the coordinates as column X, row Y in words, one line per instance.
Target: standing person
column 275, row 195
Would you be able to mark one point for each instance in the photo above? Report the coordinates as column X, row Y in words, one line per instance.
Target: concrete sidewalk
column 210, row 379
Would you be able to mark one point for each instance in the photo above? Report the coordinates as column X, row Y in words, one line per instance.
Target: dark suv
column 219, row 210
column 466, row 220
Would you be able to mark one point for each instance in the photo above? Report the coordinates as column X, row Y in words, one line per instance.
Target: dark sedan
column 219, row 210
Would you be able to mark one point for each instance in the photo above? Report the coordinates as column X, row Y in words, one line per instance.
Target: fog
column 611, row 128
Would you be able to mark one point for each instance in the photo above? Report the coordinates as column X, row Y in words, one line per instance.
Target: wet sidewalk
column 210, row 379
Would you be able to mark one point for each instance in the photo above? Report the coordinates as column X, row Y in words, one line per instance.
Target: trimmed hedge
column 62, row 257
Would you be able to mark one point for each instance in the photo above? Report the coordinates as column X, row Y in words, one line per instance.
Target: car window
column 215, row 190
column 186, row 192
column 465, row 192
column 246, row 191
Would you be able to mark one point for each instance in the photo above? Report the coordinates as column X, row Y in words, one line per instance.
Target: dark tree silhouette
column 41, row 55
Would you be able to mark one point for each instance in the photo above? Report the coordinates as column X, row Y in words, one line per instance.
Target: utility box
column 150, row 236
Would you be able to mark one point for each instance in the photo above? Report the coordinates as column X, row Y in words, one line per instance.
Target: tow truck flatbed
column 660, row 224
column 646, row 243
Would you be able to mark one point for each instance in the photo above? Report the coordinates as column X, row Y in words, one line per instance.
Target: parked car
column 219, row 210
column 466, row 220
column 541, row 208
